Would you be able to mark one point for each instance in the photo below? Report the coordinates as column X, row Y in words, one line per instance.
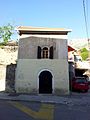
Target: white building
column 42, row 66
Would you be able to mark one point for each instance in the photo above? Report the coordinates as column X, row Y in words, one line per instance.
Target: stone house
column 42, row 66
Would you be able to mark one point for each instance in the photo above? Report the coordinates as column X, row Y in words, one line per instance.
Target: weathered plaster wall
column 28, row 71
column 28, row 47
column 29, row 67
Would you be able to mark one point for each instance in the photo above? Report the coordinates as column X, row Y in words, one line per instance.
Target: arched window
column 45, row 52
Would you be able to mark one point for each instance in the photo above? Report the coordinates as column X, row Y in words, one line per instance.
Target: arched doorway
column 45, row 82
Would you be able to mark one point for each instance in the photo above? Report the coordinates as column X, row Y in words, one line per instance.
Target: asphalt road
column 17, row 110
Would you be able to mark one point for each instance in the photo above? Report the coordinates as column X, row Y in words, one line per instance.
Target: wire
column 85, row 16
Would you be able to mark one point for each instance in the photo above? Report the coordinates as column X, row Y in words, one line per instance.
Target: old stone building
column 42, row 66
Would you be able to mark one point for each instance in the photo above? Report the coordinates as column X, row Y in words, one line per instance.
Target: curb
column 46, row 99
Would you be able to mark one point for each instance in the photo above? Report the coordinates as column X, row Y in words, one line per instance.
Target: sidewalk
column 74, row 99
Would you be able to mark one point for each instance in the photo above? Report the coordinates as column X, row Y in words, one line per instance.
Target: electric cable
column 85, row 16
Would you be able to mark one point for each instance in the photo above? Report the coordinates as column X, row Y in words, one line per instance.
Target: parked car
column 80, row 84
column 88, row 78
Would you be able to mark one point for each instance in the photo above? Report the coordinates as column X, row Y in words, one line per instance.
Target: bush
column 84, row 53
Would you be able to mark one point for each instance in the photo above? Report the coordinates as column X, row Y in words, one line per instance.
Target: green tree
column 84, row 53
column 6, row 33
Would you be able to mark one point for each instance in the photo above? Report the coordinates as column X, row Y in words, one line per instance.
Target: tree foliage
column 84, row 53
column 6, row 32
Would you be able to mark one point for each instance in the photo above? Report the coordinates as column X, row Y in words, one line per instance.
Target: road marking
column 45, row 113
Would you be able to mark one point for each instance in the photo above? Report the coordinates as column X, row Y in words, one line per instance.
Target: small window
column 45, row 52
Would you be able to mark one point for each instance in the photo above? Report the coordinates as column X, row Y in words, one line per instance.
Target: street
column 17, row 110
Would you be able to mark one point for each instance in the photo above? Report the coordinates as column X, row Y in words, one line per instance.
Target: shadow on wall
column 10, row 77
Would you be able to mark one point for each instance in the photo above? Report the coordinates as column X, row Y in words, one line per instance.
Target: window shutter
column 39, row 52
column 51, row 53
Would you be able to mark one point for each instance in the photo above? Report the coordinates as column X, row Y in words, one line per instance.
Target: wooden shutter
column 51, row 53
column 39, row 52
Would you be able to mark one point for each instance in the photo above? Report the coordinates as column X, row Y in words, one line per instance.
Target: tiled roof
column 70, row 48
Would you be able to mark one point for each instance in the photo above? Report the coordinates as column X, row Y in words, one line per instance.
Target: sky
column 47, row 13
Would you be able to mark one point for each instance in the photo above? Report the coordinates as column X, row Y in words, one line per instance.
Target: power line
column 85, row 16
column 86, row 23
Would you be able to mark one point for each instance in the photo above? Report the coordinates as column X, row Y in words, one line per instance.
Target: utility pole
column 89, row 49
column 86, row 23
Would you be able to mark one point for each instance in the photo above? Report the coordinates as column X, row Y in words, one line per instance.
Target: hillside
column 78, row 43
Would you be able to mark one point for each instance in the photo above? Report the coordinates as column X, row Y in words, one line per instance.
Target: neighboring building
column 71, row 65
column 42, row 66
column 77, row 67
column 70, row 53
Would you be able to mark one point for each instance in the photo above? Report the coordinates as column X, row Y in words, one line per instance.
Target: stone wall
column 8, row 58
column 10, row 77
column 2, row 77
column 8, row 55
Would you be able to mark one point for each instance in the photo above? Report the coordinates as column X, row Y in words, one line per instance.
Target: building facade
column 42, row 66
